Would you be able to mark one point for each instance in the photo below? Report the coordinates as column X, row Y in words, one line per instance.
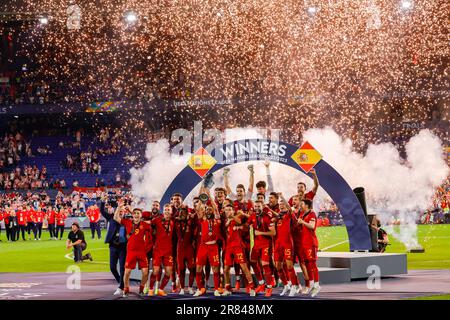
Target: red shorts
column 309, row 253
column 185, row 255
column 134, row 257
column 282, row 253
column 261, row 252
column 234, row 255
column 208, row 253
column 163, row 257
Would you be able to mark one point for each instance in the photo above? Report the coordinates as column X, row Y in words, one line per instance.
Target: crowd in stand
column 13, row 147
column 26, row 178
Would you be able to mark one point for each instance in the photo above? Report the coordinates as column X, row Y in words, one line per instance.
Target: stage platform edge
column 343, row 267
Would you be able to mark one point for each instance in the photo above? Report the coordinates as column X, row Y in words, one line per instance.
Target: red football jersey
column 51, row 215
column 164, row 232
column 283, row 225
column 261, row 222
column 21, row 218
column 137, row 235
column 30, row 215
column 309, row 195
column 308, row 236
column 234, row 237
column 210, row 230
column 186, row 232
column 38, row 217
column 245, row 206
column 60, row 219
column 93, row 214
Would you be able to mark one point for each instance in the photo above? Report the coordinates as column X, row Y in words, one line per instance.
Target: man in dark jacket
column 116, row 238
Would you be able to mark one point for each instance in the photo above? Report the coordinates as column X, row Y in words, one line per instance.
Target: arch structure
column 300, row 158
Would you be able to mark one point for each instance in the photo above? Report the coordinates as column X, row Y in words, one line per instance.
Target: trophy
column 208, row 181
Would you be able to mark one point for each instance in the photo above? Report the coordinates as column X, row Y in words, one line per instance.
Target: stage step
column 364, row 264
column 327, row 275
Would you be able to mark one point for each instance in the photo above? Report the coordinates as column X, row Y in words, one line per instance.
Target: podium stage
column 343, row 267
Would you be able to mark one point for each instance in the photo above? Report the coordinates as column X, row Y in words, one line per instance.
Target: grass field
column 49, row 255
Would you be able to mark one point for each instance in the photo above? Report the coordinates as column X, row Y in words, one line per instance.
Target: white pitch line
column 334, row 245
column 70, row 257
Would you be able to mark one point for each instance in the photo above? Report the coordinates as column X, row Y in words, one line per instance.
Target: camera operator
column 76, row 241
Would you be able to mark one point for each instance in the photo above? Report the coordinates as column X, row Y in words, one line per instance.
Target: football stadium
column 217, row 151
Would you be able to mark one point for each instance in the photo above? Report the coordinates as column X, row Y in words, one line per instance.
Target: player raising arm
column 137, row 233
column 309, row 244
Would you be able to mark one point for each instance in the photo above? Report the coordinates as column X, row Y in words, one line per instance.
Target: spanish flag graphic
column 306, row 157
column 201, row 162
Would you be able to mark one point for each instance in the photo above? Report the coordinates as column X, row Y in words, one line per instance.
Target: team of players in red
column 26, row 219
column 268, row 238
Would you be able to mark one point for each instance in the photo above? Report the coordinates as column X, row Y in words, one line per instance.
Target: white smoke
column 394, row 187
column 149, row 182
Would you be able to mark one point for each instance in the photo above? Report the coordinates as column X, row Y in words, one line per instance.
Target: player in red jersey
column 137, row 235
column 162, row 250
column 21, row 215
column 301, row 189
column 30, row 221
column 149, row 216
column 186, row 231
column 38, row 219
column 61, row 217
column 93, row 213
column 244, row 205
column 235, row 250
column 310, row 244
column 50, row 216
column 209, row 224
column 297, row 240
column 284, row 249
column 263, row 229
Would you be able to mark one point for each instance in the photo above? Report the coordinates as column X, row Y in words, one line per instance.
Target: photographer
column 383, row 239
column 76, row 241
column 116, row 238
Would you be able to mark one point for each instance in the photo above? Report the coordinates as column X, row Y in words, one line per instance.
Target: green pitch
column 51, row 256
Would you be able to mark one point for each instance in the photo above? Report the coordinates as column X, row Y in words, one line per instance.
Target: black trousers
column 15, row 233
column 8, row 231
column 51, row 230
column 37, row 230
column 30, row 227
column 22, row 229
column 95, row 226
column 59, row 229
column 118, row 254
column 78, row 252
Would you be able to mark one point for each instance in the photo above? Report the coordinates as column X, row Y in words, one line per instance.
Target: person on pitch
column 297, row 240
column 186, row 230
column 283, row 249
column 137, row 237
column 309, row 244
column 208, row 251
column 301, row 189
column 263, row 229
column 76, row 241
column 234, row 250
column 162, row 250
